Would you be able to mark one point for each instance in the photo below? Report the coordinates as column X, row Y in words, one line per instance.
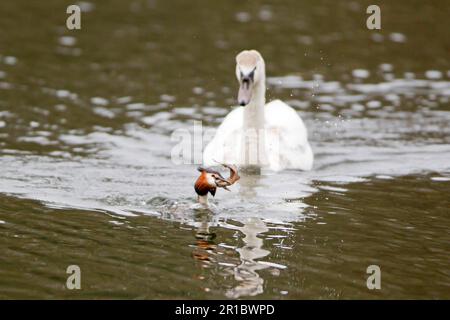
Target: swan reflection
column 245, row 267
column 242, row 263
column 250, row 282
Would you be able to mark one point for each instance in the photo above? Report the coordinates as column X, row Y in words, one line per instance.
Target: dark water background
column 86, row 176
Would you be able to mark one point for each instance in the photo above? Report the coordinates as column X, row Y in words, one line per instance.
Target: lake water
column 86, row 179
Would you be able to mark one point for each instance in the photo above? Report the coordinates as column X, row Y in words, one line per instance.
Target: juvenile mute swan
column 257, row 134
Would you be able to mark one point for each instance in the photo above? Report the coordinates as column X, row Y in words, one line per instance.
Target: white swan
column 257, row 134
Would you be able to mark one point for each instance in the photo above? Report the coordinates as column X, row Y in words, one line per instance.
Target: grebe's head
column 208, row 181
column 250, row 71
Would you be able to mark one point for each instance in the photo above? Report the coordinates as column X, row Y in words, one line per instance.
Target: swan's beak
column 245, row 92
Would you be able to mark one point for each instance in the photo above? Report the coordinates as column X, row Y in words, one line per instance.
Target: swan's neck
column 253, row 152
column 254, row 111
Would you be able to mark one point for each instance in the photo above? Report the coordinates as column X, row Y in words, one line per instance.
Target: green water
column 86, row 179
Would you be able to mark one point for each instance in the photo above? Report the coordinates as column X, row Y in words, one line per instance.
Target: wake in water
column 358, row 131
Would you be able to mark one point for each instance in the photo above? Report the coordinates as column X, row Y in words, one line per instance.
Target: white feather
column 269, row 135
column 286, row 139
column 226, row 144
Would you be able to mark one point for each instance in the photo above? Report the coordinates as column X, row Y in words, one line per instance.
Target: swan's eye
column 251, row 75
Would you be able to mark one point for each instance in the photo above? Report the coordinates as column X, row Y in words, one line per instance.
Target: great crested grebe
column 209, row 180
column 257, row 134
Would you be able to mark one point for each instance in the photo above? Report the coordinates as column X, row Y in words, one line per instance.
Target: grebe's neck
column 254, row 111
column 203, row 199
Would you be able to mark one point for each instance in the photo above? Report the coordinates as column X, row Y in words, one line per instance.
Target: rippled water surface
column 87, row 178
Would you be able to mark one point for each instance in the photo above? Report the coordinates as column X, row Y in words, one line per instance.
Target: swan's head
column 250, row 71
column 208, row 181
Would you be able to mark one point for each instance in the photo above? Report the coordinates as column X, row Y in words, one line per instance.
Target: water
column 86, row 119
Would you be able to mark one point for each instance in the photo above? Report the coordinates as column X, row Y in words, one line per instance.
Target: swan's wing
column 286, row 138
column 225, row 145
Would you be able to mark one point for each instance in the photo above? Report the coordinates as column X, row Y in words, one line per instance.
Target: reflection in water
column 248, row 185
column 250, row 282
column 83, row 126
column 205, row 244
